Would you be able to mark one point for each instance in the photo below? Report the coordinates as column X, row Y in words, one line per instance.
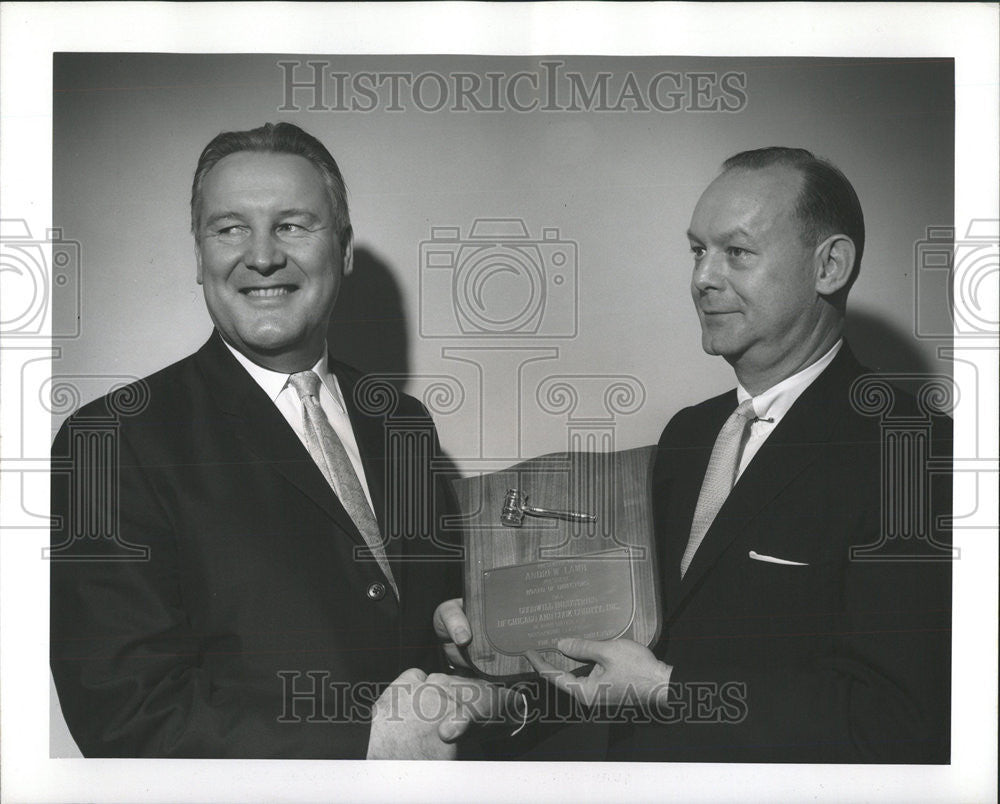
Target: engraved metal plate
column 532, row 606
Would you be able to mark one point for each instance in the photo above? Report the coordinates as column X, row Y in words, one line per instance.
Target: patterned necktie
column 328, row 452
column 719, row 478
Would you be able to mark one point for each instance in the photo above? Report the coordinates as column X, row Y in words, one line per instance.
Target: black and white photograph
column 417, row 389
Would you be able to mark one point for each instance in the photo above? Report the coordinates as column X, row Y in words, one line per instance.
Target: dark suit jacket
column 251, row 629
column 838, row 661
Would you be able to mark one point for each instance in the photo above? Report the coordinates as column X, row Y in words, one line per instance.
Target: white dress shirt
column 771, row 405
column 331, row 400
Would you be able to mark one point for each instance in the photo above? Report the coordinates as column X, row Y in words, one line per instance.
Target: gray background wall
column 618, row 187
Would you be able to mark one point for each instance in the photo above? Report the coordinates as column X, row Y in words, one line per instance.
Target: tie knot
column 746, row 411
column 305, row 383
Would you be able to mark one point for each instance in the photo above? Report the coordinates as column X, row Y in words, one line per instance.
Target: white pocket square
column 772, row 560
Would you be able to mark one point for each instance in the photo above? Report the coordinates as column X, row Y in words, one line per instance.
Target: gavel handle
column 570, row 516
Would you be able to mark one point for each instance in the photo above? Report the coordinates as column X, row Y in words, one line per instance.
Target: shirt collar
column 274, row 382
column 774, row 403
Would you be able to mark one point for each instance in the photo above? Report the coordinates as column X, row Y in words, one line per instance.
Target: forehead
column 749, row 199
column 250, row 179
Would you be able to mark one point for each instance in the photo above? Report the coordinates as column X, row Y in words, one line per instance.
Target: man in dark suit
column 245, row 572
column 800, row 625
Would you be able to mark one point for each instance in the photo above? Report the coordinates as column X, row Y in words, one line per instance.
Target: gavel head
column 512, row 514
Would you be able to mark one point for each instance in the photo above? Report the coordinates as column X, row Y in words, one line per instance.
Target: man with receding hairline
column 781, row 642
column 277, row 612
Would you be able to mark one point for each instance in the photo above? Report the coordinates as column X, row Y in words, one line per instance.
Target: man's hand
column 480, row 702
column 476, row 701
column 452, row 626
column 624, row 672
column 406, row 718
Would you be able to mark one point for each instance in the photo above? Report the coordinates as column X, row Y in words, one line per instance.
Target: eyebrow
column 220, row 216
column 295, row 212
column 285, row 213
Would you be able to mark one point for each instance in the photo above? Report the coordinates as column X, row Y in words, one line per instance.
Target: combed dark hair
column 827, row 202
column 275, row 138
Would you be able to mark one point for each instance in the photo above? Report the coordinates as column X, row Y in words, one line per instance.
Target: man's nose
column 264, row 252
column 709, row 272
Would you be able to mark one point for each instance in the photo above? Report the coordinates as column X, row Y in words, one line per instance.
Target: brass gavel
column 515, row 509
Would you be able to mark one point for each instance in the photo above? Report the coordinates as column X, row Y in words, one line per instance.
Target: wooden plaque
column 528, row 586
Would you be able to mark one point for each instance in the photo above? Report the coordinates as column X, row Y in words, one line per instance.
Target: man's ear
column 834, row 264
column 199, row 276
column 348, row 252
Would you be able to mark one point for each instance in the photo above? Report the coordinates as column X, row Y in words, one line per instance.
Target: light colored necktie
column 328, row 452
column 719, row 478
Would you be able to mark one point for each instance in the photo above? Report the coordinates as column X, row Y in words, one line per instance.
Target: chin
column 714, row 345
column 272, row 341
column 723, row 343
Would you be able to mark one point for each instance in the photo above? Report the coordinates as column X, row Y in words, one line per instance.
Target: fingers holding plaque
column 581, row 566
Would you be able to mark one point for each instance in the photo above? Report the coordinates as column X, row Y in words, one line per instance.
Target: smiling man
column 268, row 604
column 799, row 624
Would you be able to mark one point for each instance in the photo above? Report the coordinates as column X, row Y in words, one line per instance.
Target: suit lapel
column 784, row 455
column 264, row 431
column 688, row 462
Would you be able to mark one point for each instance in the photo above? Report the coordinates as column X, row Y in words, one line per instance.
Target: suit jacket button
column 376, row 591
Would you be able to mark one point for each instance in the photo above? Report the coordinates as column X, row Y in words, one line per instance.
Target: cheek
column 328, row 269
column 778, row 313
column 793, row 297
column 215, row 264
column 744, row 291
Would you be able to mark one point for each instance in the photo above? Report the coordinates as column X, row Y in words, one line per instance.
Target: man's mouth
column 268, row 292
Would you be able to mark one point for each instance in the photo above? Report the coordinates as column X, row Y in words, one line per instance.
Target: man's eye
column 736, row 251
column 698, row 251
column 230, row 231
column 291, row 228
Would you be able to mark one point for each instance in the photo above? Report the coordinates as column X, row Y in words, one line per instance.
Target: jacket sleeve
column 127, row 664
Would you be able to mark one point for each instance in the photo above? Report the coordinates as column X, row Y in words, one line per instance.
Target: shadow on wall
column 884, row 347
column 368, row 329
